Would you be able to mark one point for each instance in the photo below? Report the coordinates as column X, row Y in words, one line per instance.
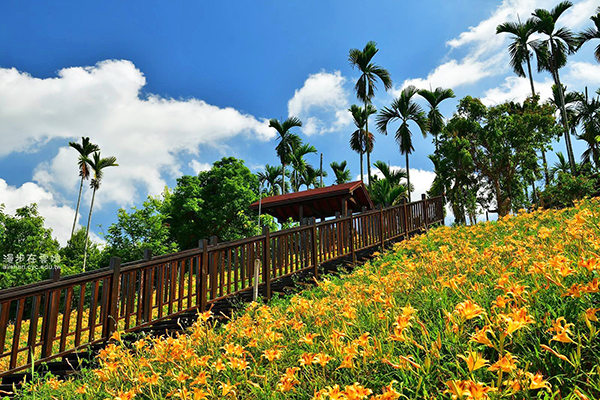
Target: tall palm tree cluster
column 90, row 163
column 539, row 39
column 551, row 44
column 291, row 151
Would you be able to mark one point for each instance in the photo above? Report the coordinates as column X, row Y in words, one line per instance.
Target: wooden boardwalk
column 50, row 319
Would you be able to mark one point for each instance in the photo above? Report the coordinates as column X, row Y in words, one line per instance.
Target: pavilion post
column 351, row 234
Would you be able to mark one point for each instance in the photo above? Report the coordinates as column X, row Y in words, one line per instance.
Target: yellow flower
column 561, row 331
column 590, row 314
column 474, row 360
column 537, row 381
column 357, row 392
column 508, row 363
column 308, row 338
column 272, row 354
column 480, row 336
column 306, row 359
column 468, row 310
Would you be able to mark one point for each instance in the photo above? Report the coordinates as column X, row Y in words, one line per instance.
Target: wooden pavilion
column 318, row 203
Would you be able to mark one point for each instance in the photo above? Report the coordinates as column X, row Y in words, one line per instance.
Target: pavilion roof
column 319, row 203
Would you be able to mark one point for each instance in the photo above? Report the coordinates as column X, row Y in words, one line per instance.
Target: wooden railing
column 52, row 318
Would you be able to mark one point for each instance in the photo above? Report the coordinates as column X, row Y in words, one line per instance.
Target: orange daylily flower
column 474, row 360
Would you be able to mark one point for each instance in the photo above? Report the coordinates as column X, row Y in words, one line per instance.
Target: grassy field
column 505, row 309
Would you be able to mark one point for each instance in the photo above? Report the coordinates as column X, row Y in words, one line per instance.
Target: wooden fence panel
column 58, row 316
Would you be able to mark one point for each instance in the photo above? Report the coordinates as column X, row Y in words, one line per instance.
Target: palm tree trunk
column 283, row 178
column 563, row 110
column 369, row 165
column 546, row 174
column 530, row 76
column 77, row 209
column 408, row 177
column 366, row 139
column 361, row 167
column 87, row 230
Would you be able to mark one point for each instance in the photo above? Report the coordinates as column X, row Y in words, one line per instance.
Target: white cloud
column 420, row 179
column 486, row 54
column 103, row 102
column 322, row 95
column 454, row 73
column 582, row 73
column 198, row 167
column 516, row 89
column 57, row 217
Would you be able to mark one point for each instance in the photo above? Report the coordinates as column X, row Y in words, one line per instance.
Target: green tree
column 342, row 175
column 299, row 163
column 84, row 149
column 287, row 140
column 502, row 143
column 272, row 178
column 361, row 140
column 558, row 43
column 24, row 241
column 561, row 166
column 588, row 113
column 366, row 84
column 520, row 51
column 592, row 33
column 97, row 164
column 405, row 110
column 455, row 174
column 72, row 254
column 216, row 202
column 311, row 177
column 435, row 117
column 141, row 228
column 389, row 189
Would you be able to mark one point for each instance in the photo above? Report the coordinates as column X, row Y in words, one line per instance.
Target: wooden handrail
column 139, row 293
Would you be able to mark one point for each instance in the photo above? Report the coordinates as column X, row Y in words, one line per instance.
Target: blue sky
column 170, row 87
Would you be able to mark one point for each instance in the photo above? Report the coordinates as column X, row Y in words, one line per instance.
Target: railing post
column 51, row 315
column 267, row 262
column 203, row 274
column 146, row 314
column 405, row 208
column 425, row 207
column 111, row 324
column 212, row 272
column 381, row 229
column 314, row 248
column 351, row 233
column 339, row 233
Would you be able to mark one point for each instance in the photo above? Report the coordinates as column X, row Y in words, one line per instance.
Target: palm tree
column 360, row 140
column 393, row 177
column 384, row 194
column 366, row 84
column 272, row 177
column 84, row 149
column 592, row 33
column 436, row 119
column 299, row 164
column 405, row 110
column 310, row 176
column 553, row 51
column 286, row 140
column 588, row 113
column 342, row 175
column 518, row 49
column 561, row 165
column 97, row 164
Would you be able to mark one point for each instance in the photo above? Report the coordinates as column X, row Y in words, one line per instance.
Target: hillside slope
column 506, row 309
